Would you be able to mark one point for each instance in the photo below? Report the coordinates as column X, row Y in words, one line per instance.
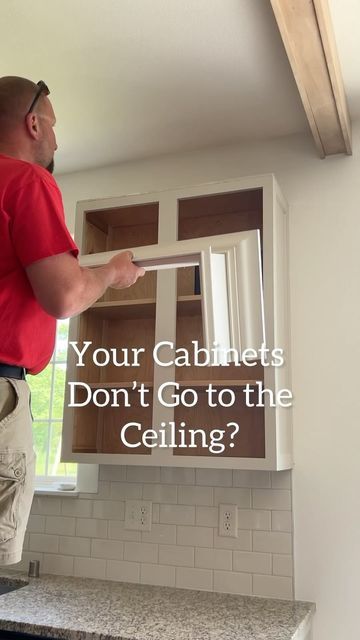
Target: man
column 40, row 280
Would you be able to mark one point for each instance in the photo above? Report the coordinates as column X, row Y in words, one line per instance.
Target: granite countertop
column 84, row 609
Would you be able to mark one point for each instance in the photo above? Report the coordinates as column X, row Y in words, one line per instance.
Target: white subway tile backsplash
column 207, row 516
column 23, row 565
column 213, row 559
column 111, row 549
column 214, row 477
column 46, row 505
column 281, row 479
column 115, row 473
column 43, row 542
column 124, row 490
column 61, row 525
column 103, row 491
column 273, row 587
column 281, row 521
column 282, row 565
column 74, row 546
column 194, row 579
column 230, row 582
column 177, row 514
column 241, row 497
column 157, row 574
column 165, row 493
column 272, row 541
column 155, row 512
column 177, row 475
column 91, row 527
column 36, row 524
column 58, row 565
column 254, row 519
column 252, row 562
column 251, row 479
column 102, row 494
column 114, row 509
column 117, row 531
column 161, row 533
column 242, row 542
column 176, row 555
column 89, row 568
column 196, row 495
column 279, row 499
column 76, row 507
column 122, row 571
column 143, row 474
column 141, row 552
column 195, row 536
column 86, row 536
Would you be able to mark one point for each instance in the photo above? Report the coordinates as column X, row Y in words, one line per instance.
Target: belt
column 12, row 371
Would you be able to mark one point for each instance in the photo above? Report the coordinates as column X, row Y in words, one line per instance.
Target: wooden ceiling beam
column 307, row 33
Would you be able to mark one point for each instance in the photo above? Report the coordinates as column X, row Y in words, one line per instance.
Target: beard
column 50, row 166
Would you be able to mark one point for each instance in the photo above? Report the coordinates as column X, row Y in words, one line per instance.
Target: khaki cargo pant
column 17, row 467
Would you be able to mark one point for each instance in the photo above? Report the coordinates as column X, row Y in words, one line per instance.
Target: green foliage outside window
column 47, row 404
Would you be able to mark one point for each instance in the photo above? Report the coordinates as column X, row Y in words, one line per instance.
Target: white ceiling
column 136, row 78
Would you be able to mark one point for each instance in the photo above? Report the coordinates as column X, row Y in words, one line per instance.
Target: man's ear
column 32, row 125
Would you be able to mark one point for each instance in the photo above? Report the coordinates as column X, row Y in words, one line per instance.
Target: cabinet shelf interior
column 182, row 383
column 216, row 383
column 189, row 305
column 119, row 385
column 143, row 308
column 113, row 309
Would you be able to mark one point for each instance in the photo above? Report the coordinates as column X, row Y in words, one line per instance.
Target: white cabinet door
column 231, row 284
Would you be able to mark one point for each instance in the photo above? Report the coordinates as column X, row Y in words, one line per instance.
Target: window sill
column 86, row 482
column 47, row 491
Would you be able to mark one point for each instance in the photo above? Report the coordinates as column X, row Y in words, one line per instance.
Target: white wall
column 324, row 199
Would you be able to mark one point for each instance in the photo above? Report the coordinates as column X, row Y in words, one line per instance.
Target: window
column 47, row 403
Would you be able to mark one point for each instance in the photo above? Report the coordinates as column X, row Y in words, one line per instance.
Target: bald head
column 28, row 136
column 16, row 95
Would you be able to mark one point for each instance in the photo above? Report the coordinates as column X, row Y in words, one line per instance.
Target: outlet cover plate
column 228, row 520
column 138, row 515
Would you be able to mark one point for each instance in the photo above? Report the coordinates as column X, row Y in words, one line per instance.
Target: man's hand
column 126, row 272
column 64, row 289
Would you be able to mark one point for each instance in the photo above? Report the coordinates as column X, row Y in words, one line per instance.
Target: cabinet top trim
column 219, row 186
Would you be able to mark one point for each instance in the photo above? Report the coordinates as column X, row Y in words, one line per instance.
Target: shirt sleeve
column 38, row 222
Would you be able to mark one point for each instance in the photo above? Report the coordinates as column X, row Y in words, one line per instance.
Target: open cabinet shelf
column 189, row 305
column 229, row 384
column 118, row 385
column 125, row 308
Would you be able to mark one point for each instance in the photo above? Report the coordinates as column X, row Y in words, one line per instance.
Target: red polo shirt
column 32, row 227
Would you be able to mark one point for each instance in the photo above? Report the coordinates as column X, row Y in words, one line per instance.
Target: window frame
column 86, row 478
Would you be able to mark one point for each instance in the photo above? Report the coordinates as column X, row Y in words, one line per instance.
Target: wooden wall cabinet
column 168, row 306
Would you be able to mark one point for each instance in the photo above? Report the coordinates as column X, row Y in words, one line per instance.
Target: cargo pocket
column 9, row 400
column 12, row 475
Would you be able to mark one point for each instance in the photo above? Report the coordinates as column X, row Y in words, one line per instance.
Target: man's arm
column 64, row 289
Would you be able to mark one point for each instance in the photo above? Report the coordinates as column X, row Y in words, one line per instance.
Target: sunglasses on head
column 42, row 88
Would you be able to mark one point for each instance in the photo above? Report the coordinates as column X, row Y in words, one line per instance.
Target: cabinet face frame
column 278, row 433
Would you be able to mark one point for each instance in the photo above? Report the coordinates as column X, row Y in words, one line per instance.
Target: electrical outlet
column 138, row 515
column 228, row 520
